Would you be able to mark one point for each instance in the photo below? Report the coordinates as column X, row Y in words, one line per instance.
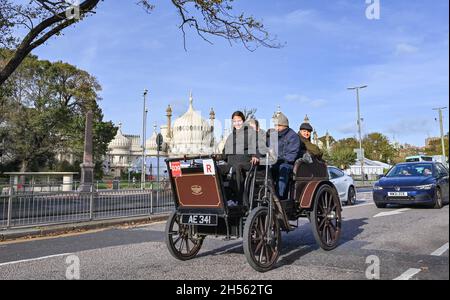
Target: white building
column 371, row 168
column 189, row 135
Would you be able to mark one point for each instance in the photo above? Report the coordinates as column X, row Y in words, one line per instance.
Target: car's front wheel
column 380, row 205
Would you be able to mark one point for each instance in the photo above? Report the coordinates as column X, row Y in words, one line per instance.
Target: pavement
column 394, row 243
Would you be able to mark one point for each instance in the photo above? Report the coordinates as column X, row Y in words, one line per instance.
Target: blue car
column 424, row 183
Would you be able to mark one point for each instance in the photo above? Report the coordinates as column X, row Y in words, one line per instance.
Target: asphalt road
column 407, row 243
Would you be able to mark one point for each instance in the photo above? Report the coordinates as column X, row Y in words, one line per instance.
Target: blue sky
column 330, row 45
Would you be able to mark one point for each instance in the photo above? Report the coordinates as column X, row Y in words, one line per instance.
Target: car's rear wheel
column 351, row 196
column 438, row 204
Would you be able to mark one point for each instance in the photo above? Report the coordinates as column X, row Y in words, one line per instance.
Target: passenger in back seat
column 307, row 148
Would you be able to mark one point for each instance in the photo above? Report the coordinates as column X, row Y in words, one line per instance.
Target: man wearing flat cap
column 306, row 146
column 288, row 152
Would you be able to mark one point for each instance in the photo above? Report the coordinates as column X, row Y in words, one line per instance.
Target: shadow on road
column 302, row 241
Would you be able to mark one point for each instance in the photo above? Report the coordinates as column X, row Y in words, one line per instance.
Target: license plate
column 205, row 220
column 398, row 194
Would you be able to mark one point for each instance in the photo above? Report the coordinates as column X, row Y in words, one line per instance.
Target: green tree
column 435, row 146
column 342, row 153
column 46, row 114
column 377, row 147
column 42, row 19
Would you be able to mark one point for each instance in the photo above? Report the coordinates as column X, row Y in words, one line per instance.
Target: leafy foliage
column 44, row 114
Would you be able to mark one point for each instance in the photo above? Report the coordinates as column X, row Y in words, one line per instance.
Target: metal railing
column 25, row 207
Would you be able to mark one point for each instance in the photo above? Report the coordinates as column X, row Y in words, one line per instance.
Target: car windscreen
column 410, row 170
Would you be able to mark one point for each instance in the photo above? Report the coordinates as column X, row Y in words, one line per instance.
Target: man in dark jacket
column 307, row 148
column 288, row 152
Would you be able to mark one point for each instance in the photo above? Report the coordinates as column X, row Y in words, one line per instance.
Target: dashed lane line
column 413, row 272
column 408, row 274
column 33, row 259
column 440, row 251
column 392, row 213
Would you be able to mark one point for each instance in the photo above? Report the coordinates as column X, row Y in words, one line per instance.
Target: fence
column 27, row 207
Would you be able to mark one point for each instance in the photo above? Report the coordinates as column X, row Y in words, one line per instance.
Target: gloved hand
column 307, row 158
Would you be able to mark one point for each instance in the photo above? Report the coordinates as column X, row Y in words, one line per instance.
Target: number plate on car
column 398, row 194
column 205, row 220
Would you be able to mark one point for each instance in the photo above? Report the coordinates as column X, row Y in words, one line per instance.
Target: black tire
column 261, row 254
column 178, row 241
column 438, row 202
column 380, row 205
column 326, row 219
column 351, row 196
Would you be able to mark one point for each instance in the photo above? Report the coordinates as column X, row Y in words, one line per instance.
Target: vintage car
column 202, row 209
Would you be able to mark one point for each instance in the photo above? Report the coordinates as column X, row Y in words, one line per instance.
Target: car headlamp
column 425, row 187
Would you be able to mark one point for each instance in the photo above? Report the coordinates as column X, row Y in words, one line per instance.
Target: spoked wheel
column 179, row 239
column 262, row 241
column 326, row 220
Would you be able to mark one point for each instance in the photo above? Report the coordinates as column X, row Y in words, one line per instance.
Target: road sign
column 359, row 153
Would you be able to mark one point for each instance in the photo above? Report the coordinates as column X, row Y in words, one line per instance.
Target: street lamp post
column 441, row 121
column 357, row 88
column 144, row 131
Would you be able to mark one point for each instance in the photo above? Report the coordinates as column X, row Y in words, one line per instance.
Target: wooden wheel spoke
column 180, row 249
column 187, row 246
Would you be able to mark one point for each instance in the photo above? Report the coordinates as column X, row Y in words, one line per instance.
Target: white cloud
column 304, row 100
column 404, row 48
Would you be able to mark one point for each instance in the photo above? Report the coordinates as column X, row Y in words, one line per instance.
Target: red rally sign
column 176, row 169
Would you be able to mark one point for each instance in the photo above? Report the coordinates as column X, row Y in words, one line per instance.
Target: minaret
column 212, row 117
column 275, row 114
column 327, row 138
column 169, row 121
column 316, row 138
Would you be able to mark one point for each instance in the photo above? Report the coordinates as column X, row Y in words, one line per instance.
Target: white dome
column 150, row 144
column 191, row 133
column 120, row 142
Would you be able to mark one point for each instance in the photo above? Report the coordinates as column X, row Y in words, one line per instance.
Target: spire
column 155, row 127
column 212, row 114
column 191, row 101
column 306, row 119
column 275, row 115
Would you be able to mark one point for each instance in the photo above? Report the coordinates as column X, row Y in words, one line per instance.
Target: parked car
column 413, row 183
column 344, row 185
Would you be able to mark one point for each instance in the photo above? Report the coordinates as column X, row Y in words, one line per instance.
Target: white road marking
column 408, row 274
column 33, row 259
column 440, row 251
column 359, row 205
column 392, row 213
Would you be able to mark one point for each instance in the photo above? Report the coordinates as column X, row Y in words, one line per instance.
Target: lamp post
column 144, row 129
column 357, row 88
column 441, row 121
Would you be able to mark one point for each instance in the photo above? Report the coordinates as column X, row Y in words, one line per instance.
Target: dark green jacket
column 307, row 146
